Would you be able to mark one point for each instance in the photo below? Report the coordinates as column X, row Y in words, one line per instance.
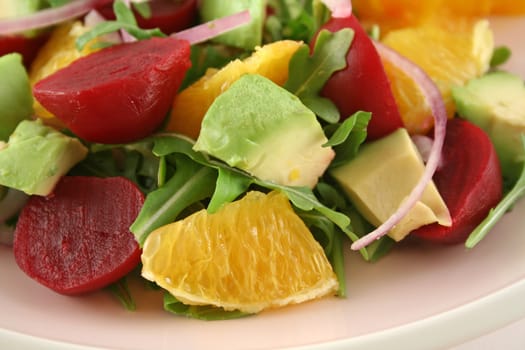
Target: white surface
column 419, row 297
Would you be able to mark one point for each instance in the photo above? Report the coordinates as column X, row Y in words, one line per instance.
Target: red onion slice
column 433, row 96
column 47, row 17
column 211, row 29
column 339, row 8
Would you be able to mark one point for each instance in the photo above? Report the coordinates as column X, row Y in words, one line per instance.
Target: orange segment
column 450, row 53
column 191, row 104
column 253, row 254
column 58, row 52
column 392, row 14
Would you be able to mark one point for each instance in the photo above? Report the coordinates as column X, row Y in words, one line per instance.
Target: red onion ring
column 339, row 8
column 211, row 29
column 433, row 95
column 47, row 17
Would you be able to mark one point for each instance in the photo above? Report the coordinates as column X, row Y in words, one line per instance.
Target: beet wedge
column 77, row 239
column 363, row 85
column 118, row 94
column 469, row 180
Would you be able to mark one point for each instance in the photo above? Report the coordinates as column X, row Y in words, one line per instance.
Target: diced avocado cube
column 496, row 103
column 261, row 128
column 16, row 99
column 381, row 177
column 246, row 37
column 36, row 157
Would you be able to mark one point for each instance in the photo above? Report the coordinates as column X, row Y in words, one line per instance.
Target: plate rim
column 481, row 316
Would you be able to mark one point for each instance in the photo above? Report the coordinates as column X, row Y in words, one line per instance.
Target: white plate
column 415, row 298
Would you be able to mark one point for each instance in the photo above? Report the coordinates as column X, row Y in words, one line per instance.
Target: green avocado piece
column 36, row 156
column 16, row 99
column 246, row 37
column 261, row 128
column 19, row 8
column 496, row 103
column 382, row 175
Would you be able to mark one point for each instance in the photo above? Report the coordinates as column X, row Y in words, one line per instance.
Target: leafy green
column 294, row 19
column 125, row 20
column 143, row 8
column 201, row 312
column 132, row 161
column 309, row 73
column 190, row 184
column 206, row 56
column 497, row 213
column 230, row 185
column 500, row 55
column 120, row 290
column 347, row 137
column 57, row 3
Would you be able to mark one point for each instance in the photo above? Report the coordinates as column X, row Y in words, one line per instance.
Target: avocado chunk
column 260, row 127
column 19, row 8
column 16, row 99
column 496, row 103
column 246, row 37
column 382, row 175
column 36, row 156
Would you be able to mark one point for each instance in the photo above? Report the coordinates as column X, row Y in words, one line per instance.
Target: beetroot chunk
column 363, row 85
column 77, row 239
column 469, row 181
column 119, row 94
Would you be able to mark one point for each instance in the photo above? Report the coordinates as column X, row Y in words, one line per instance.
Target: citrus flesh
column 58, row 52
column 252, row 254
column 190, row 105
column 451, row 53
column 394, row 14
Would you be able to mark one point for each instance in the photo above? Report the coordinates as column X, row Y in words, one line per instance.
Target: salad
column 229, row 162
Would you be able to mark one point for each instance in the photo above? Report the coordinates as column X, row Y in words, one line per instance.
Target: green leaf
column 497, row 213
column 346, row 138
column 230, row 185
column 201, row 312
column 330, row 238
column 500, row 55
column 294, row 19
column 57, row 3
column 302, row 197
column 309, row 73
column 125, row 20
column 134, row 162
column 143, row 8
column 120, row 290
column 190, row 184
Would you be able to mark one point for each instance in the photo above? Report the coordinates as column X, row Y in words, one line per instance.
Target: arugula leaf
column 201, row 312
column 120, row 290
column 230, row 185
column 500, row 55
column 309, row 73
column 347, row 137
column 57, row 3
column 125, row 19
column 294, row 19
column 143, row 8
column 517, row 191
column 190, row 183
column 133, row 161
column 206, row 56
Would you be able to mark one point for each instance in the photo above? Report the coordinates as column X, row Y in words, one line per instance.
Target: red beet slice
column 169, row 16
column 77, row 239
column 118, row 94
column 363, row 84
column 469, row 181
column 26, row 46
